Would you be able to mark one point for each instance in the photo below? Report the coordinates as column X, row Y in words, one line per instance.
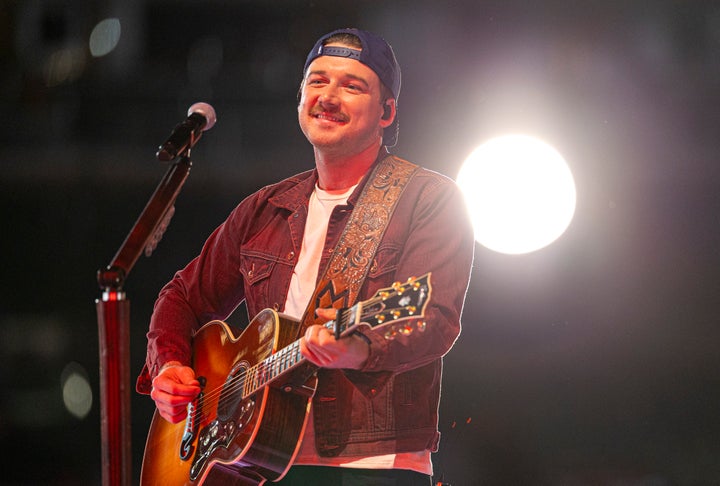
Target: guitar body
column 230, row 437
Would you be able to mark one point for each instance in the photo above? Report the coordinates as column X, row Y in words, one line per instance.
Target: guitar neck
column 388, row 308
column 289, row 357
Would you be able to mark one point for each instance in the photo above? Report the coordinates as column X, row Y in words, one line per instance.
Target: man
column 374, row 416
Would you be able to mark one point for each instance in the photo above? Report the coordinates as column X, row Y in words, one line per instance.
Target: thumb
column 180, row 374
column 326, row 314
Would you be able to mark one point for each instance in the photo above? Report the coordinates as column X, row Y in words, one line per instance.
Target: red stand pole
column 113, row 313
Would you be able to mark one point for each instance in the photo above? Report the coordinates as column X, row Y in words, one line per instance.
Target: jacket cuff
column 143, row 384
column 378, row 350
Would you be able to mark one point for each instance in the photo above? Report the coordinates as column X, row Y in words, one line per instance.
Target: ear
column 299, row 91
column 389, row 111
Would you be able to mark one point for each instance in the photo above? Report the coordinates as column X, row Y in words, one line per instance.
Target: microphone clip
column 201, row 117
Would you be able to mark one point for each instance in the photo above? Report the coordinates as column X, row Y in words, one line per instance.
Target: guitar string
column 268, row 369
column 261, row 373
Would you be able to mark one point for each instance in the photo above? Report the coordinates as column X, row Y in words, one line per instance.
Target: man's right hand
column 172, row 389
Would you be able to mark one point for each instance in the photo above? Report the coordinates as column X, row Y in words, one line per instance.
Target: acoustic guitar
column 245, row 426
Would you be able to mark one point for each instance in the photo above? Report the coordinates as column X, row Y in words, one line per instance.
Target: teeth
column 327, row 117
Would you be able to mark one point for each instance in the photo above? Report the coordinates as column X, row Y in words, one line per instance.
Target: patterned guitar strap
column 350, row 263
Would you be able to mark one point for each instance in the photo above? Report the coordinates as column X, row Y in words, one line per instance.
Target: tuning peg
column 406, row 330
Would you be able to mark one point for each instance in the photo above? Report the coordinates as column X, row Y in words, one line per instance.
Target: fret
column 272, row 370
column 271, row 367
column 264, row 369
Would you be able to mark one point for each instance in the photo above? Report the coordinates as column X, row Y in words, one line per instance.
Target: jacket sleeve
column 209, row 287
column 438, row 239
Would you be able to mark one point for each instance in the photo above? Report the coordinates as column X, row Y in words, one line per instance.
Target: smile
column 330, row 117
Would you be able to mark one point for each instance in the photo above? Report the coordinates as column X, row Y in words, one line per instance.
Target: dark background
column 591, row 362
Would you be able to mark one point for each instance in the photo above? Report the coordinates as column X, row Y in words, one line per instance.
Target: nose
column 328, row 98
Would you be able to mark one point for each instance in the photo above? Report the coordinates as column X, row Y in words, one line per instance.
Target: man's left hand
column 321, row 348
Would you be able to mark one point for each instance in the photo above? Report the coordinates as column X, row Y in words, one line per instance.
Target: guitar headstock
column 399, row 309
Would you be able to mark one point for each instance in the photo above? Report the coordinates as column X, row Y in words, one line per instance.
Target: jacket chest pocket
column 385, row 261
column 256, row 268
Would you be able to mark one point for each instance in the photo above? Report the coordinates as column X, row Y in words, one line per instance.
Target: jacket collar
column 298, row 194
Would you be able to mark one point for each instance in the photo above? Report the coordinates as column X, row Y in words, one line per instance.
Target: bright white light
column 105, row 37
column 77, row 393
column 520, row 193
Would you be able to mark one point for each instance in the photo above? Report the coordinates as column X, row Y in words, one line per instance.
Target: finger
column 169, row 385
column 327, row 314
column 325, row 338
column 173, row 415
column 172, row 399
column 184, row 393
column 312, row 352
column 171, row 407
column 179, row 374
column 312, row 335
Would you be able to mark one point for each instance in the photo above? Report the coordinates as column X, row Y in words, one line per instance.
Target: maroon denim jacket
column 391, row 405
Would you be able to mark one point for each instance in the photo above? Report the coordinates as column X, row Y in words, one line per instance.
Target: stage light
column 520, row 193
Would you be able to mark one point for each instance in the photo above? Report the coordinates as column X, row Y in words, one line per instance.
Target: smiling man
column 324, row 240
column 344, row 108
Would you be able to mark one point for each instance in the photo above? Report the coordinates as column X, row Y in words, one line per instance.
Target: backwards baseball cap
column 376, row 54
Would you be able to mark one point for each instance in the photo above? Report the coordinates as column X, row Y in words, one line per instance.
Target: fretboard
column 289, row 357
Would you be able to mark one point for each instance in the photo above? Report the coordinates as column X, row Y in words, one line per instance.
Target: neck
column 336, row 173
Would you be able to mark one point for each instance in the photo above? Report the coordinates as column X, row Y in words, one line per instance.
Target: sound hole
column 232, row 393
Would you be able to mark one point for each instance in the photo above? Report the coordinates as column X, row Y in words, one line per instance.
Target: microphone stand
column 113, row 313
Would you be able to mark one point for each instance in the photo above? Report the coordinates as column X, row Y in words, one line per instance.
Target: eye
column 315, row 80
column 356, row 88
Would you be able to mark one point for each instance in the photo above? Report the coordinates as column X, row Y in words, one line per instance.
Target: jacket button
column 291, row 255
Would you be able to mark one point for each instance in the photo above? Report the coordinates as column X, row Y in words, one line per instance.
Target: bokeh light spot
column 105, row 37
column 76, row 390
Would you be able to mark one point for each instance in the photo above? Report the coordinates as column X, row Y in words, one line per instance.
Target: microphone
column 201, row 117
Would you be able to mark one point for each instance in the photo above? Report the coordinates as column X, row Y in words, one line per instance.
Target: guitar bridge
column 233, row 413
column 191, row 424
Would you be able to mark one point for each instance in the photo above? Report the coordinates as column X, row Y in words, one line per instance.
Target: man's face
column 340, row 106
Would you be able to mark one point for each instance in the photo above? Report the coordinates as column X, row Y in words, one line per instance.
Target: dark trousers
column 344, row 476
